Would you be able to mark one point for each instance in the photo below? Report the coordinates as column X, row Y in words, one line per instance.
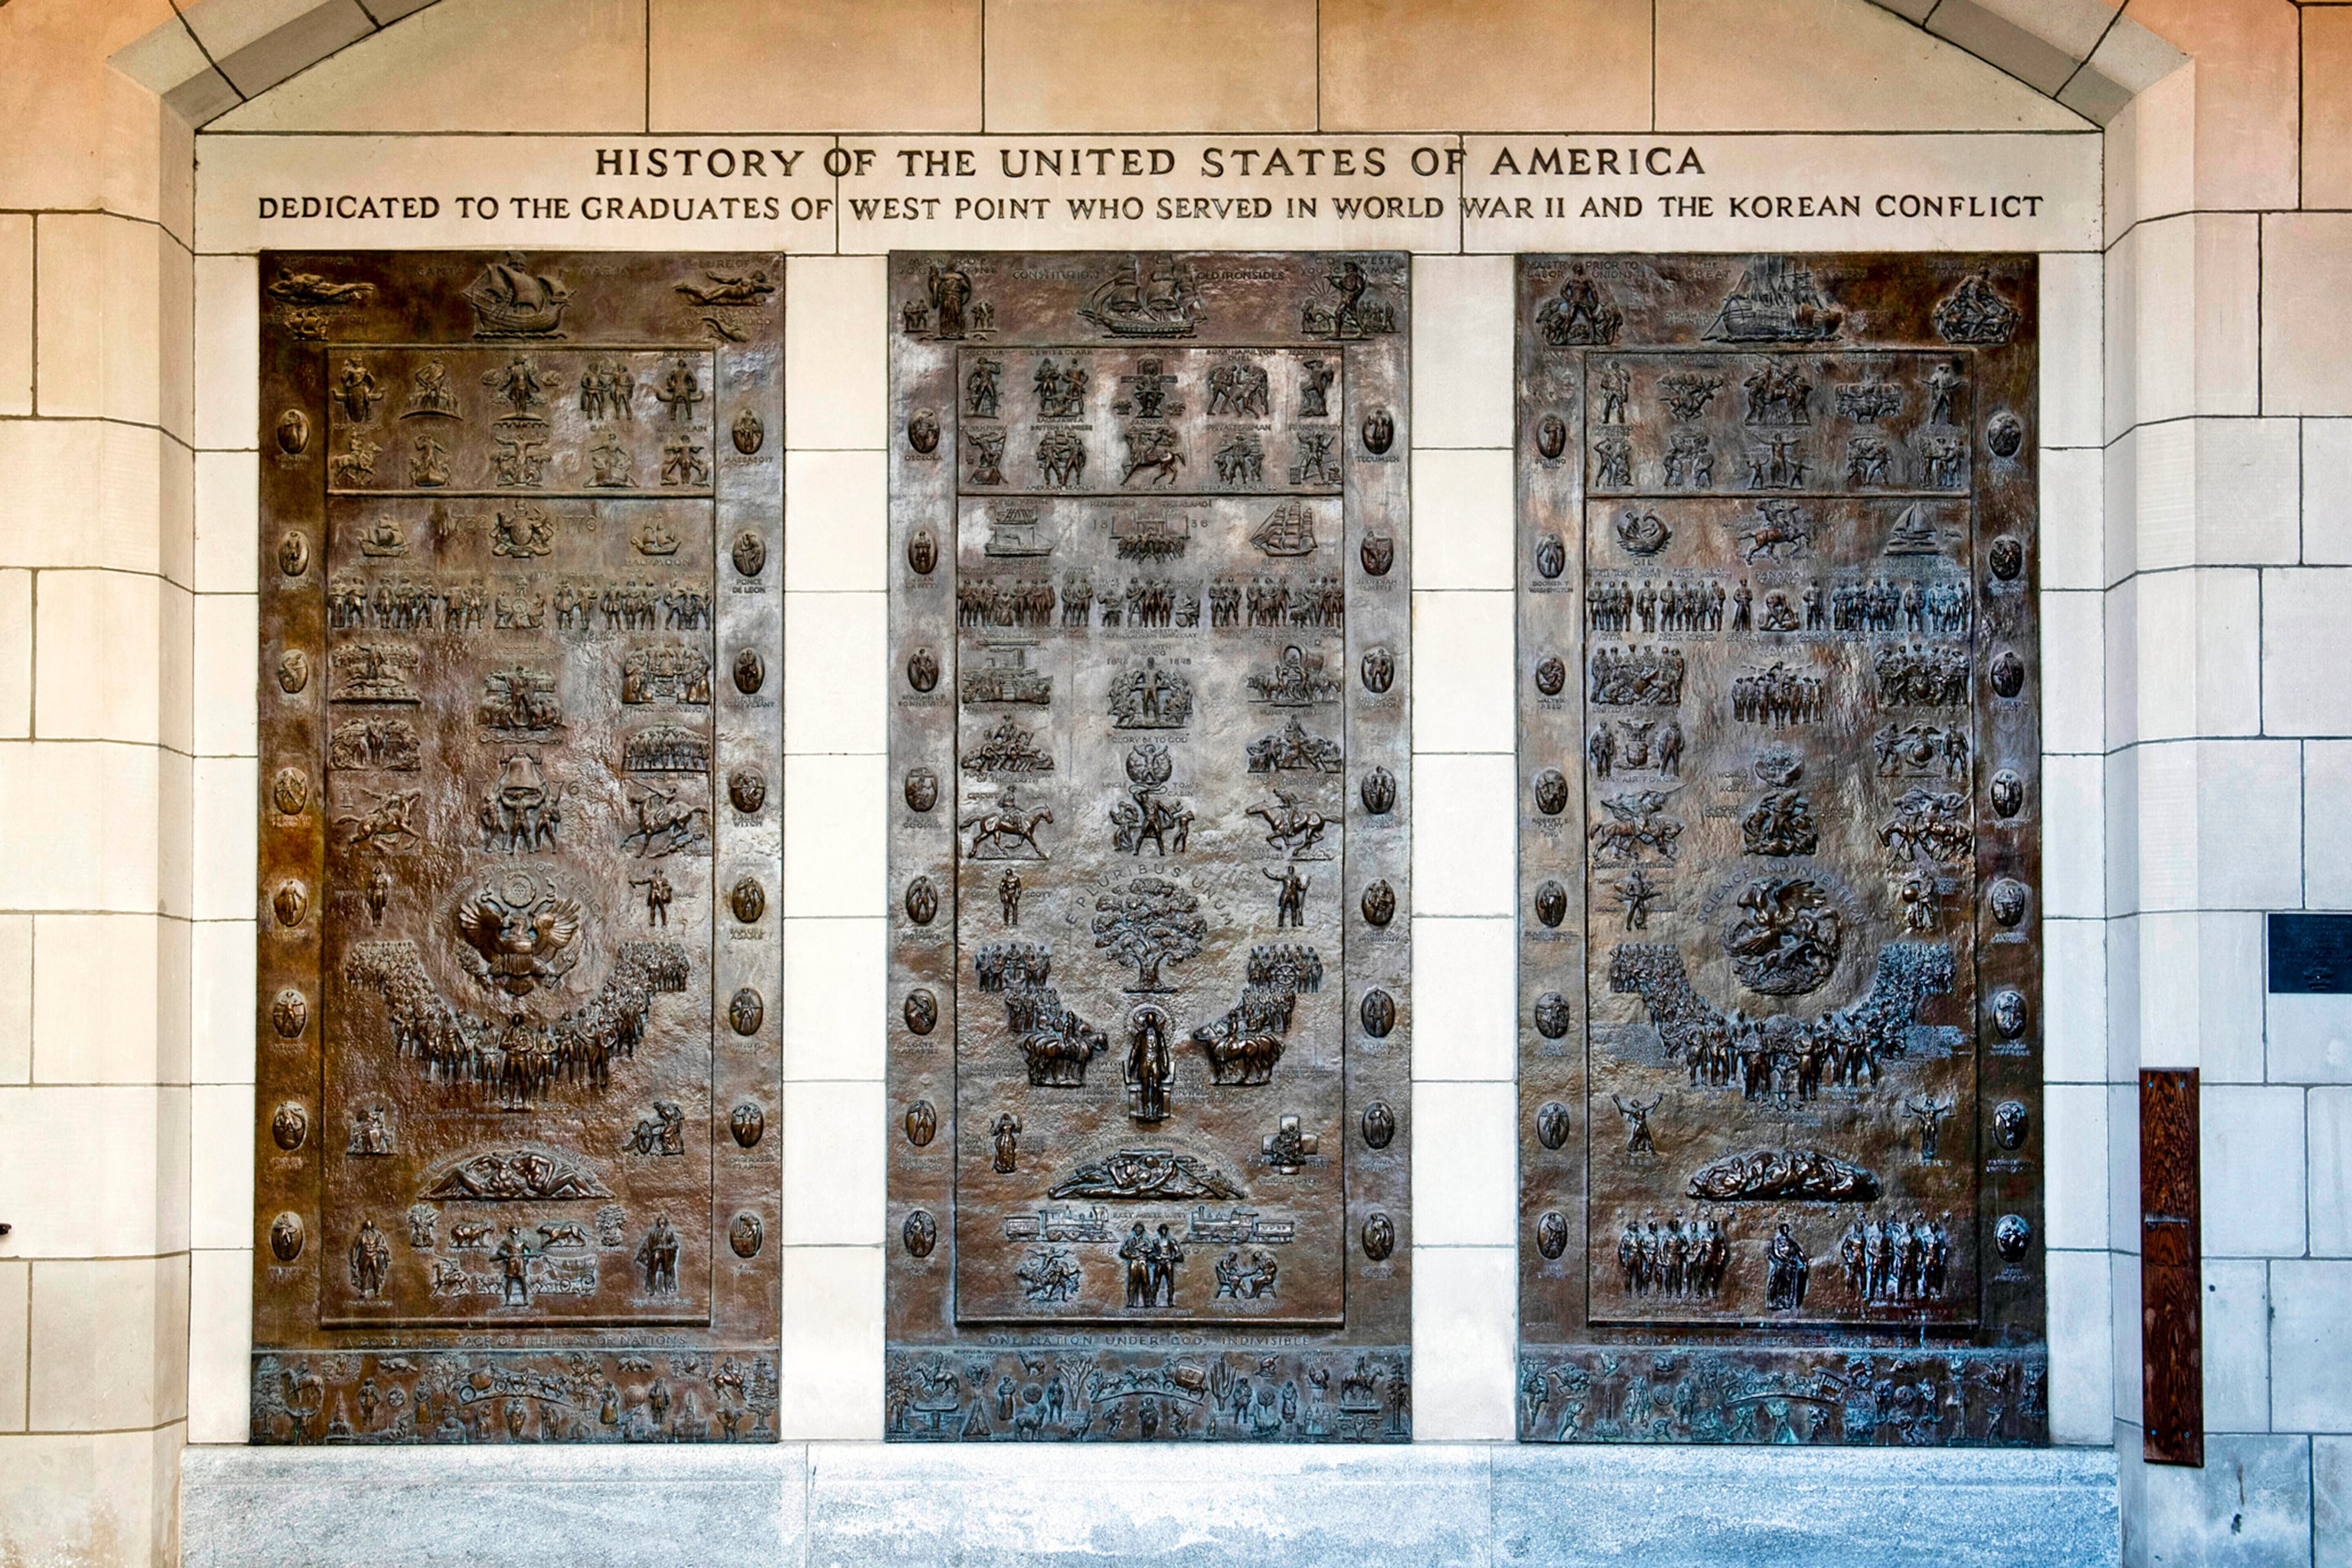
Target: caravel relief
column 1780, row 1003
column 1149, row 1003
column 516, row 1163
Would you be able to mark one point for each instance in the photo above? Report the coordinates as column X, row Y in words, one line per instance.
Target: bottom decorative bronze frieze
column 515, row 1396
column 1908, row 1398
column 1207, row 1393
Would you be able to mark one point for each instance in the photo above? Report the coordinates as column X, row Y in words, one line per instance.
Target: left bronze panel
column 516, row 1163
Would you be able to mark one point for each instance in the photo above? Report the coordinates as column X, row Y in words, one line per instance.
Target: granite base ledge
column 871, row 1505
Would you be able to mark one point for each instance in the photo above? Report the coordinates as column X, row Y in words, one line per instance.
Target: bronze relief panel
column 1150, row 1006
column 1779, row 956
column 520, row 642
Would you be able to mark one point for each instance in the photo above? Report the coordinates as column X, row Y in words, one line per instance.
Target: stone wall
column 2198, row 531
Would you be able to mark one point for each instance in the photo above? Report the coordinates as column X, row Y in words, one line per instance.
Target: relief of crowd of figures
column 1049, row 1394
column 445, row 1396
column 1137, row 496
column 1892, row 1398
column 1803, row 759
column 497, row 849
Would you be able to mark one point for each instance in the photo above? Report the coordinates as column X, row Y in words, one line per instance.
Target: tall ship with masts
column 1161, row 300
column 1777, row 301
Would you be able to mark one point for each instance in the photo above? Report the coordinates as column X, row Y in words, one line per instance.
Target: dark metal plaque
column 517, row 1153
column 1779, row 741
column 2171, row 1270
column 1150, row 663
column 2310, row 954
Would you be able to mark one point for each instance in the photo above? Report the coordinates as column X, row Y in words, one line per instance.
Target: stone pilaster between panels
column 220, row 1344
column 2081, row 1348
column 836, row 318
column 833, row 1349
column 1462, row 338
column 1464, row 1339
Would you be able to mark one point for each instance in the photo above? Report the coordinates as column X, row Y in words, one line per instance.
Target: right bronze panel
column 1780, row 960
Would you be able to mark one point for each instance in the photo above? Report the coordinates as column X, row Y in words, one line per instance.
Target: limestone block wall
column 2198, row 572
column 96, row 750
column 2226, row 629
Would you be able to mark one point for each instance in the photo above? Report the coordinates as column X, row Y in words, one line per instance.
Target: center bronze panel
column 1780, row 963
column 1150, row 649
column 521, row 634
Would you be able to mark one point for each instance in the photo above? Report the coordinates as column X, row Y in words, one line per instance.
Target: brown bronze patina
column 522, row 522
column 1151, row 883
column 1779, row 966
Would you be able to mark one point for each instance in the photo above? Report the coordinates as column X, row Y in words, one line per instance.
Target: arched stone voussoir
column 221, row 52
column 2086, row 54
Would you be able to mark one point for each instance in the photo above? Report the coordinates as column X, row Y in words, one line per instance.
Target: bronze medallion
column 1776, row 514
column 1151, row 664
column 750, row 555
column 493, row 846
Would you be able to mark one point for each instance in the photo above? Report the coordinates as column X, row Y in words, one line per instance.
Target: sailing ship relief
column 1777, row 301
column 1162, row 301
column 510, row 302
column 1289, row 530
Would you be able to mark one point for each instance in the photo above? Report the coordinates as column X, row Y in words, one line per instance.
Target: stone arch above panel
column 221, row 54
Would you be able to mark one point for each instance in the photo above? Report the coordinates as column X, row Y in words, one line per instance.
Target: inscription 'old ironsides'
column 1150, row 666
column 511, row 1185
column 1779, row 1063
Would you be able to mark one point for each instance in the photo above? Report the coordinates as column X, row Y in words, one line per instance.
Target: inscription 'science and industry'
column 1780, row 1151
column 1150, row 1005
column 522, row 522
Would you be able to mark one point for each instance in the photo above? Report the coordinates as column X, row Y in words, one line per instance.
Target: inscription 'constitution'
column 1780, row 1143
column 1151, row 664
column 522, row 526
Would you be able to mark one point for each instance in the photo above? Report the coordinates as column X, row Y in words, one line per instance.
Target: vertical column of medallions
column 746, row 963
column 921, row 1022
column 1378, row 908
column 1550, row 692
column 289, row 1251
column 2006, row 638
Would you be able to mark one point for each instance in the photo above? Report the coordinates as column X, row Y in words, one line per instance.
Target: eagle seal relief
column 518, row 935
